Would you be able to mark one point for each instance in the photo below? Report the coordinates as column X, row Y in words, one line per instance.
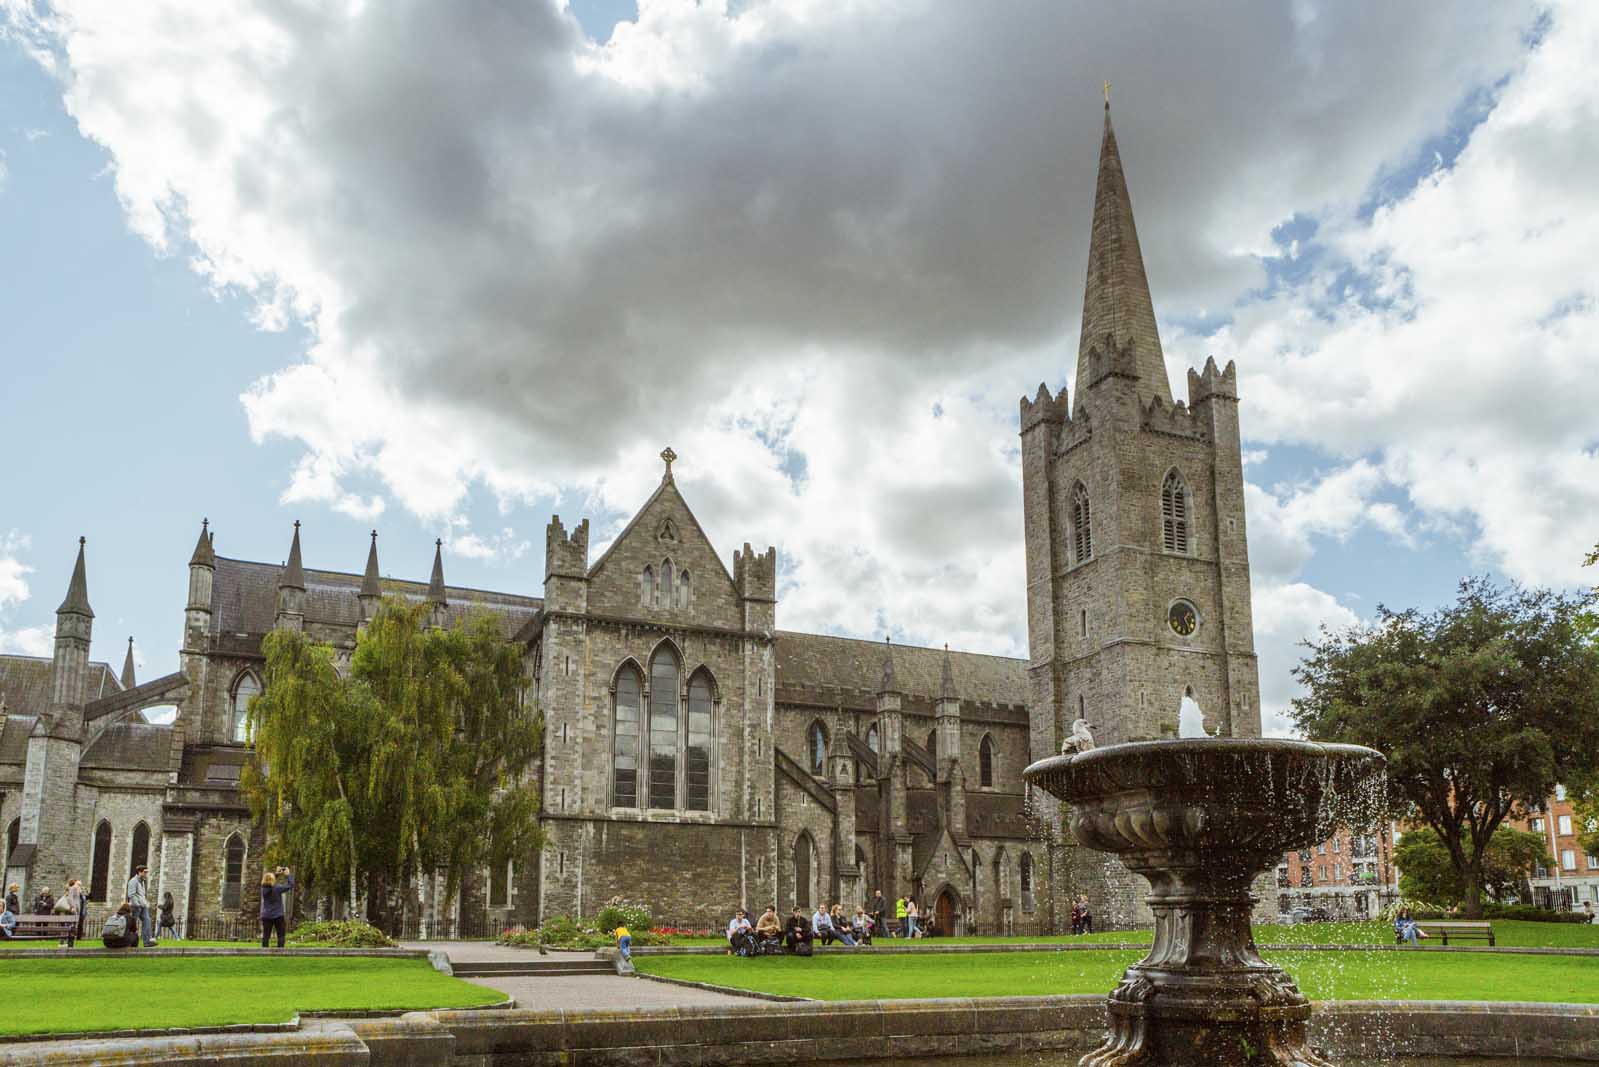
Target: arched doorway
column 944, row 911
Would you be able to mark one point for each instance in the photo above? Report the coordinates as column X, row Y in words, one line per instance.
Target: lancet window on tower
column 1082, row 525
column 244, row 690
column 985, row 762
column 1174, row 513
column 816, row 746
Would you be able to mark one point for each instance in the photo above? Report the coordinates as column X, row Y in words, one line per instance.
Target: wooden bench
column 1459, row 929
column 46, row 928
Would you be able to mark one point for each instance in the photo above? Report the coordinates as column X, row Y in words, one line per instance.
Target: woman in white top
column 913, row 916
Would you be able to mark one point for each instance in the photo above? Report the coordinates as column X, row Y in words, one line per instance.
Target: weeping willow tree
column 416, row 762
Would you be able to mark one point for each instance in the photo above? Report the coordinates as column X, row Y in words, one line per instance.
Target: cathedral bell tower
column 1137, row 564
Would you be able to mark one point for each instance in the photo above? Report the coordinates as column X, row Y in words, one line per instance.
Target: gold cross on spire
column 1107, row 94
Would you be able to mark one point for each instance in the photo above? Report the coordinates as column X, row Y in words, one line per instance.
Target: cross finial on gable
column 1107, row 94
column 668, row 455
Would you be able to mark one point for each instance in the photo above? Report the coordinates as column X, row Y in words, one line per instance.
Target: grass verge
column 1321, row 975
column 44, row 995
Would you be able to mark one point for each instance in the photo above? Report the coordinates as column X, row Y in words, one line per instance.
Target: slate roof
column 811, row 661
column 244, row 598
column 130, row 746
column 14, row 731
column 25, row 683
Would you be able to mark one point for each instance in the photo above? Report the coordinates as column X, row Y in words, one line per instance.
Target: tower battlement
column 755, row 575
column 1045, row 408
column 566, row 555
column 1211, row 383
column 1109, row 358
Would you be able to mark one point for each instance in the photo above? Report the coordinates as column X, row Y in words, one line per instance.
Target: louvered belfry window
column 1174, row 513
column 1082, row 526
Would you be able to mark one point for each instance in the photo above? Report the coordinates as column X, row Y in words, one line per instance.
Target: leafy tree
column 1481, row 706
column 413, row 762
column 1427, row 871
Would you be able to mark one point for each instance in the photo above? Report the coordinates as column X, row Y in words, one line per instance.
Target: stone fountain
column 1200, row 820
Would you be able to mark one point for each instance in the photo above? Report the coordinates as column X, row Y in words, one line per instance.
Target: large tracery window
column 697, row 765
column 1174, row 514
column 1082, row 525
column 625, row 738
column 664, row 726
column 244, row 690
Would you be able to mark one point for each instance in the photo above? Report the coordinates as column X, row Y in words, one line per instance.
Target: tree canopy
column 1427, row 872
column 412, row 761
column 1481, row 707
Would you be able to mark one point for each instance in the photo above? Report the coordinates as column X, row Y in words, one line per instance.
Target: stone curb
column 732, row 991
column 211, row 951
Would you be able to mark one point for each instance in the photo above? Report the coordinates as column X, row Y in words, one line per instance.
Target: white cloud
column 14, row 590
column 1286, row 614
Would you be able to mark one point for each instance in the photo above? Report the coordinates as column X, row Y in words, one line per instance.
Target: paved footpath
column 576, row 990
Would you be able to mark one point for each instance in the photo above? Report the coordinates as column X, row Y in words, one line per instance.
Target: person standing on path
column 273, row 886
column 80, row 903
column 140, row 905
column 912, row 913
column 168, row 921
column 899, row 918
column 877, row 908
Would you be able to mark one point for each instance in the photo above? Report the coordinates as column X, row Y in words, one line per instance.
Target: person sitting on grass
column 8, row 924
column 861, row 926
column 740, row 934
column 797, row 933
column 768, row 928
column 119, row 931
column 826, row 930
column 1405, row 928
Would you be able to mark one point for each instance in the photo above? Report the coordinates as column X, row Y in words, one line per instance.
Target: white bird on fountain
column 1081, row 739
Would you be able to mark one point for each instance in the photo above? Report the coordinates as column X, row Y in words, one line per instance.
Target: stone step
column 531, row 968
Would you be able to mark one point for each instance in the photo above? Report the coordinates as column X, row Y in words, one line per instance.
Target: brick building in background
column 1347, row 876
column 1573, row 877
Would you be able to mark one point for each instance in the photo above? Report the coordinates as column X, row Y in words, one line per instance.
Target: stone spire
column 204, row 554
column 889, row 683
column 946, row 682
column 1116, row 300
column 436, row 598
column 291, row 588
column 77, row 600
column 370, row 585
column 127, row 667
column 293, row 571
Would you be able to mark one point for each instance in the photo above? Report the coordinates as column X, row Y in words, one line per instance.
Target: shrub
column 619, row 912
column 1528, row 913
column 339, row 934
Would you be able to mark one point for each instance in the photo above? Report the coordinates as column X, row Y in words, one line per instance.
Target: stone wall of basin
column 797, row 1033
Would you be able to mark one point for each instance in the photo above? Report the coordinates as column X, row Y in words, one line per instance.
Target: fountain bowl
column 1200, row 819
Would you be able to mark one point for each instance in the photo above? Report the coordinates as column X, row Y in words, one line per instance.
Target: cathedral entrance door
column 944, row 913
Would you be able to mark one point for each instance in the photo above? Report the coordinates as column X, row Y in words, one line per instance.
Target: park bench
column 1459, row 929
column 46, row 928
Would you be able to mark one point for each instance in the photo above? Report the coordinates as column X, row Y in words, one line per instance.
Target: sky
column 447, row 270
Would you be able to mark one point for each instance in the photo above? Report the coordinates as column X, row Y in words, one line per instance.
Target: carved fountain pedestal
column 1200, row 820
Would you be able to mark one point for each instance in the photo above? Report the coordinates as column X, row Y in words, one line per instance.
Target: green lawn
column 1507, row 933
column 1322, row 975
column 62, row 995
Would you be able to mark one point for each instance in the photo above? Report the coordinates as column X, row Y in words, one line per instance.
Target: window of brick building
column 1564, row 823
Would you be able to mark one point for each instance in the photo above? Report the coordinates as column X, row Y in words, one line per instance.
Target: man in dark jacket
column 273, row 885
column 878, row 910
column 797, row 931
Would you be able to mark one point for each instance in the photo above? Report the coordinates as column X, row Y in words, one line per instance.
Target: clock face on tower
column 1182, row 618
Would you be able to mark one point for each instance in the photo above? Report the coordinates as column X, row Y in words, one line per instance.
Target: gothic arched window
column 663, row 597
column 100, row 867
column 13, row 832
column 985, row 762
column 816, row 746
column 646, row 586
column 701, row 734
column 684, row 592
column 232, row 871
column 1082, row 525
column 1027, row 881
column 932, row 746
column 803, row 864
column 625, row 719
column 245, row 689
column 871, row 738
column 664, row 725
column 1174, row 513
column 139, row 854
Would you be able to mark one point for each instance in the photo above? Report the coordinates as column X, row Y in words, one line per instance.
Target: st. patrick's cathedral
column 696, row 756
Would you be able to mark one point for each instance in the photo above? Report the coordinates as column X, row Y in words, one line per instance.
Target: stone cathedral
column 696, row 756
